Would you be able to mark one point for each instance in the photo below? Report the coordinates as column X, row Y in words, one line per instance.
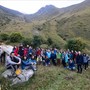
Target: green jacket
column 58, row 55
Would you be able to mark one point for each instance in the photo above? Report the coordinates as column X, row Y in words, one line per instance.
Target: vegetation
column 27, row 41
column 16, row 37
column 37, row 41
column 75, row 45
column 57, row 29
column 49, row 41
column 4, row 36
column 52, row 78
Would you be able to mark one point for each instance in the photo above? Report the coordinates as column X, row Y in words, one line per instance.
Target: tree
column 37, row 41
column 16, row 37
column 49, row 41
column 4, row 36
column 27, row 41
column 77, row 45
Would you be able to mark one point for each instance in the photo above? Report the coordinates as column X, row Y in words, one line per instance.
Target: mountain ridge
column 58, row 24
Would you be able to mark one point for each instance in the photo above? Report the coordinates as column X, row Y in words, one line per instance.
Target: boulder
column 23, row 77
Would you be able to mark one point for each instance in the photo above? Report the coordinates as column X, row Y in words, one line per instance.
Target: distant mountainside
column 9, row 11
column 60, row 24
column 46, row 12
column 8, row 15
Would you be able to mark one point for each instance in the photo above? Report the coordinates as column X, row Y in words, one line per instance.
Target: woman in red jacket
column 15, row 50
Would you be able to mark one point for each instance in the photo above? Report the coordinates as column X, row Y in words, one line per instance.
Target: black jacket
column 79, row 59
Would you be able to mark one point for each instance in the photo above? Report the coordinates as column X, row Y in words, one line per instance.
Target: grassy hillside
column 66, row 23
column 53, row 78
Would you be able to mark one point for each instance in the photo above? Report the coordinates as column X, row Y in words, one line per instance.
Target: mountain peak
column 46, row 9
column 49, row 6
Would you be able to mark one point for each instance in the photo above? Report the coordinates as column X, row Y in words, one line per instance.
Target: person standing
column 58, row 57
column 85, row 61
column 53, row 58
column 79, row 62
column 21, row 51
column 48, row 56
column 63, row 60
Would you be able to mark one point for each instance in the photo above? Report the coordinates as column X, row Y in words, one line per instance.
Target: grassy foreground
column 52, row 78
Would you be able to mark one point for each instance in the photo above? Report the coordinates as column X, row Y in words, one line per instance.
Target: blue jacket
column 66, row 57
column 48, row 54
column 25, row 63
column 85, row 59
column 71, row 65
column 53, row 56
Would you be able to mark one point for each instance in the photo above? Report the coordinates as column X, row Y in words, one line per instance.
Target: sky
column 32, row 6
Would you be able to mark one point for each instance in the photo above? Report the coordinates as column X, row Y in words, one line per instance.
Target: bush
column 27, row 41
column 49, row 41
column 4, row 36
column 77, row 45
column 56, row 45
column 37, row 41
column 15, row 37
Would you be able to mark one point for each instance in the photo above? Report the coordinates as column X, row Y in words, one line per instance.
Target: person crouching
column 71, row 65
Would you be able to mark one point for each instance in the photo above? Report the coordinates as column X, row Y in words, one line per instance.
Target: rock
column 23, row 77
column 7, row 73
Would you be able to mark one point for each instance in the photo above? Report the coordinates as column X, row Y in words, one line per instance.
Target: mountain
column 8, row 15
column 60, row 24
column 46, row 12
column 9, row 11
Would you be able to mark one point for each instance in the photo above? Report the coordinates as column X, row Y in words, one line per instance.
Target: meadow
column 51, row 78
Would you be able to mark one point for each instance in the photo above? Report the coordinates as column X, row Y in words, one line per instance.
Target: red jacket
column 25, row 51
column 16, row 51
column 38, row 52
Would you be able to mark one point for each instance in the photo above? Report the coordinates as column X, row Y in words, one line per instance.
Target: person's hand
column 19, row 63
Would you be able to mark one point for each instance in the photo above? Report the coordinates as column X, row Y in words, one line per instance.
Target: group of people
column 27, row 56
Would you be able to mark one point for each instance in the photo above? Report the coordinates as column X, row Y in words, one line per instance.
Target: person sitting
column 12, row 62
column 28, row 63
column 25, row 63
column 71, row 65
column 33, row 61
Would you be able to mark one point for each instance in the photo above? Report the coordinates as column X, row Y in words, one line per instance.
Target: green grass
column 53, row 78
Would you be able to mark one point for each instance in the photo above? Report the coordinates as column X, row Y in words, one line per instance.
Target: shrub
column 49, row 41
column 77, row 45
column 27, row 41
column 16, row 37
column 4, row 36
column 37, row 41
column 56, row 45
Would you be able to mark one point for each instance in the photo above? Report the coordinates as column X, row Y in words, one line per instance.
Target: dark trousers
column 63, row 63
column 85, row 65
column 54, row 62
column 47, row 61
column 13, row 67
column 58, row 62
column 79, row 68
column 2, row 58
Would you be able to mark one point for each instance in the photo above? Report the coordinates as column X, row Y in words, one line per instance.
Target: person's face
column 52, row 51
column 79, row 52
column 70, row 61
column 12, row 55
column 25, row 58
column 27, row 45
column 33, row 57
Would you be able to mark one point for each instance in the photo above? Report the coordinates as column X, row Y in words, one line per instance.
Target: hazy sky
column 32, row 6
